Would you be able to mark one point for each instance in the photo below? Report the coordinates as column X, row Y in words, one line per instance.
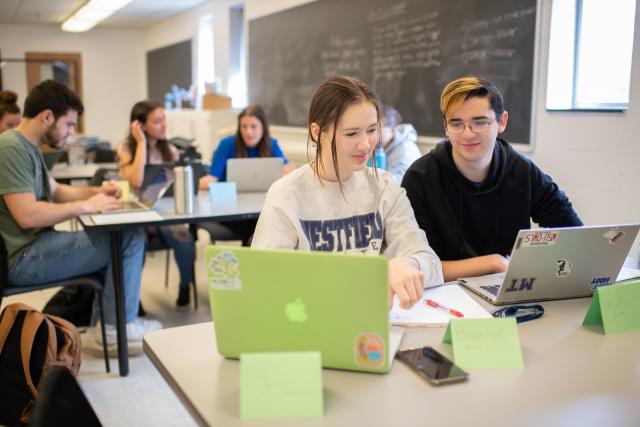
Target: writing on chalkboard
column 406, row 50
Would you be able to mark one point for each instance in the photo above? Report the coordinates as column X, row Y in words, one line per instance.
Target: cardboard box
column 213, row 101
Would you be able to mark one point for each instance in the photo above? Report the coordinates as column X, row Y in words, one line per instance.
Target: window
column 206, row 65
column 590, row 51
column 237, row 87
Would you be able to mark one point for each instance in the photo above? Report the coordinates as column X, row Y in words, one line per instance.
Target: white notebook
column 126, row 218
column 450, row 295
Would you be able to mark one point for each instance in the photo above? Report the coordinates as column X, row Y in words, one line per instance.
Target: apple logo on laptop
column 296, row 311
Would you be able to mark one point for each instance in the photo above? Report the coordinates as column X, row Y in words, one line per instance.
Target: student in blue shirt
column 252, row 139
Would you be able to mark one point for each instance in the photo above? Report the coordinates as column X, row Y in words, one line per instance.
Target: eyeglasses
column 475, row 126
column 522, row 313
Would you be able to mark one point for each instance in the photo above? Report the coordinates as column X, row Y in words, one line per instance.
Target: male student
column 473, row 192
column 32, row 202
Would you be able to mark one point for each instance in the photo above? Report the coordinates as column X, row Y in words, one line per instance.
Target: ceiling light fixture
column 91, row 13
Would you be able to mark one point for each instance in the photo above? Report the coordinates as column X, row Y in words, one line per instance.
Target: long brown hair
column 330, row 101
column 264, row 146
column 8, row 103
column 140, row 112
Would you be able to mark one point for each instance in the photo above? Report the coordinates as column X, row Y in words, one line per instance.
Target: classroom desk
column 66, row 172
column 248, row 206
column 573, row 375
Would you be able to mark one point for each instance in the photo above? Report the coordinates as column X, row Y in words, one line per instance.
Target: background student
column 147, row 144
column 252, row 139
column 9, row 110
column 32, row 202
column 337, row 204
column 399, row 142
column 473, row 192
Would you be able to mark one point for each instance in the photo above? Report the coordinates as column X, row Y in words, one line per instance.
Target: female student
column 9, row 110
column 337, row 204
column 252, row 139
column 147, row 144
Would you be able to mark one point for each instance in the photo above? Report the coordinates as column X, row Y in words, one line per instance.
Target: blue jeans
column 59, row 255
column 178, row 238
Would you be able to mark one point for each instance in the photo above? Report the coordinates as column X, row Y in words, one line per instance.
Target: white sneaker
column 135, row 332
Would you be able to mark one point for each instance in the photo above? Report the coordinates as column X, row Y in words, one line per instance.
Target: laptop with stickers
column 557, row 263
column 281, row 300
column 254, row 174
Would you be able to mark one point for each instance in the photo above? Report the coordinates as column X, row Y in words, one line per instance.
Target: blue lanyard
column 522, row 313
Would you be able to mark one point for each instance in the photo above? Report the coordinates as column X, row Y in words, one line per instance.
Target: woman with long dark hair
column 147, row 144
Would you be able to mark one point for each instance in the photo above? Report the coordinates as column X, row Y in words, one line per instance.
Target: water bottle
column 183, row 188
column 381, row 158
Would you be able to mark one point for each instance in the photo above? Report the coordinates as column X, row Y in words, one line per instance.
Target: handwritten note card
column 615, row 307
column 485, row 343
column 280, row 385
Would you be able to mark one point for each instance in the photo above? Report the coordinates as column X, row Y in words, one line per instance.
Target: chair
column 61, row 402
column 92, row 281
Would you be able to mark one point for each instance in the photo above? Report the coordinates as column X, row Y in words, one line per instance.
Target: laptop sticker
column 614, row 236
column 563, row 267
column 524, row 284
column 540, row 238
column 224, row 272
column 369, row 350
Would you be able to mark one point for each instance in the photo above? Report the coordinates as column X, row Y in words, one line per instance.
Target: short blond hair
column 459, row 90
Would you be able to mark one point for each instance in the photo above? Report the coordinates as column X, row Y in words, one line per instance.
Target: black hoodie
column 463, row 219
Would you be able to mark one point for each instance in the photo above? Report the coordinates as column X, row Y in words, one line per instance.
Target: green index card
column 281, row 385
column 485, row 343
column 615, row 307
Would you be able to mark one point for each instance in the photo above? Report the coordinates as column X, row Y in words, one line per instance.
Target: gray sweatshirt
column 374, row 218
column 402, row 151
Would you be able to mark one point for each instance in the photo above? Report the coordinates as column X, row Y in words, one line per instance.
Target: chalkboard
column 167, row 66
column 406, row 50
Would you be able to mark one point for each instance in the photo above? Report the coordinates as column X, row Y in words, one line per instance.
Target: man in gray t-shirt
column 32, row 202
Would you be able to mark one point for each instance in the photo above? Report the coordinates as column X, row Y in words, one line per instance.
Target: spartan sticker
column 224, row 272
column 563, row 267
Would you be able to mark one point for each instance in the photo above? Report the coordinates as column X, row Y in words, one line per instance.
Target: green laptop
column 282, row 300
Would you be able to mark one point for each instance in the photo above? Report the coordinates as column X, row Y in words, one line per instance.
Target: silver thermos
column 183, row 188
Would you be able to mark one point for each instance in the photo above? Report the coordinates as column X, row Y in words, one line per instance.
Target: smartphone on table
column 431, row 365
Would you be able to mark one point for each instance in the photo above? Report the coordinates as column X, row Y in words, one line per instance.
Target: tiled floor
column 143, row 398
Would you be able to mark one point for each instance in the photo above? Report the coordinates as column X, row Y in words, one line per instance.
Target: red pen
column 434, row 304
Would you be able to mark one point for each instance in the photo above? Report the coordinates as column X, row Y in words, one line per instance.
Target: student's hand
column 497, row 263
column 100, row 202
column 406, row 281
column 137, row 132
column 110, row 188
column 203, row 183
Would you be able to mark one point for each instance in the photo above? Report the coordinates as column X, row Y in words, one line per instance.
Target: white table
column 573, row 375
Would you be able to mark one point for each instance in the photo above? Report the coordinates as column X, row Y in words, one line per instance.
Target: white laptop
column 254, row 174
column 557, row 263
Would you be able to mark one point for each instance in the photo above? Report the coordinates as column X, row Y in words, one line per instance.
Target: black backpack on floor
column 73, row 303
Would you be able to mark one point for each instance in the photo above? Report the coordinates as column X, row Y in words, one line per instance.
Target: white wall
column 113, row 70
column 593, row 156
